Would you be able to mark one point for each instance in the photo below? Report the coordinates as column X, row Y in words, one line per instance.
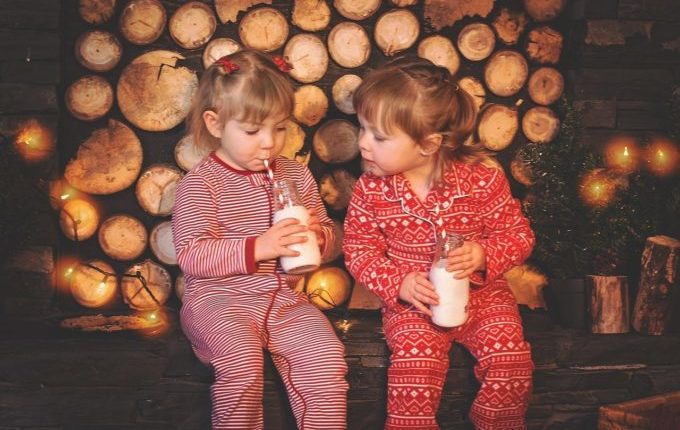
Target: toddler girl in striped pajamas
column 238, row 300
column 424, row 178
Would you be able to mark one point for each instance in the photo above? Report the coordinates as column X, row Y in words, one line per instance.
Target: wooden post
column 608, row 304
column 659, row 283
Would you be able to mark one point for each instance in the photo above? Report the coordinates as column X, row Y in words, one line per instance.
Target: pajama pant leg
column 310, row 360
column 494, row 336
column 227, row 338
column 418, row 366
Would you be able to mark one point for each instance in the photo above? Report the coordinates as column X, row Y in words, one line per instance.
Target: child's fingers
column 291, row 230
column 422, row 308
column 286, row 222
column 424, row 291
column 463, row 274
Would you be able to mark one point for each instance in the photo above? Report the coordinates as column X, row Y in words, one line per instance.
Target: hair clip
column 282, row 64
column 228, row 66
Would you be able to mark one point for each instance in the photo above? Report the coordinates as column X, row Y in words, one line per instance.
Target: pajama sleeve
column 508, row 239
column 204, row 248
column 364, row 246
column 312, row 201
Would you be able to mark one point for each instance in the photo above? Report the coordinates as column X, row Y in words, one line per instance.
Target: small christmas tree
column 551, row 204
column 592, row 212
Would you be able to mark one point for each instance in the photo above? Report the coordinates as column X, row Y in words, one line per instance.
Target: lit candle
column 663, row 157
column 622, row 155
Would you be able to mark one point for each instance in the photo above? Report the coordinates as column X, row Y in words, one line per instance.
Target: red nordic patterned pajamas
column 234, row 307
column 389, row 233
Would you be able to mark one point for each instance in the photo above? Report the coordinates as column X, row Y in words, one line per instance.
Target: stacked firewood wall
column 132, row 67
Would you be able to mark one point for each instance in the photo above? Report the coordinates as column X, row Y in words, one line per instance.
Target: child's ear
column 212, row 123
column 431, row 144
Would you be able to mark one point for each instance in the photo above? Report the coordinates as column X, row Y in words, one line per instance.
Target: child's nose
column 267, row 141
column 364, row 143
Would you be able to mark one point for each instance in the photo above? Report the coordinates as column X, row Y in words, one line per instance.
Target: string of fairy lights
column 79, row 218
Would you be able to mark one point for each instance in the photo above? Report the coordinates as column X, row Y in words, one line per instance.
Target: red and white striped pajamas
column 389, row 233
column 233, row 307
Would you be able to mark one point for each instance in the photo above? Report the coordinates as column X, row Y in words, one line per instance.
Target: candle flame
column 621, row 154
column 663, row 157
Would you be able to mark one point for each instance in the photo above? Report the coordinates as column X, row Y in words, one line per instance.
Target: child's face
column 388, row 154
column 245, row 145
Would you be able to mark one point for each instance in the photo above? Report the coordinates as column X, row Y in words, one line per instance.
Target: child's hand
column 315, row 226
column 274, row 242
column 417, row 290
column 466, row 260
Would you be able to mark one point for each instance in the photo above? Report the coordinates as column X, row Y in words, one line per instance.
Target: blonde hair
column 419, row 98
column 257, row 90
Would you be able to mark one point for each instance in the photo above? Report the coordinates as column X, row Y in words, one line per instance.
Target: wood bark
column 96, row 11
column 396, row 31
column 443, row 13
column 148, row 291
column 336, row 141
column 349, row 45
column 509, row 25
column 90, row 287
column 265, row 29
column 356, row 9
column 336, row 188
column 440, row 51
column 154, row 92
column 218, row 48
column 107, row 162
column 98, row 50
column 608, row 304
column 476, row 41
column 187, row 154
column 497, row 126
column 192, row 25
column 311, row 15
column 343, row 92
column 156, row 188
column 546, row 86
column 162, row 244
column 658, row 294
column 309, row 57
column 142, row 21
column 540, row 124
column 311, row 105
column 89, row 98
column 544, row 45
column 544, row 10
column 122, row 237
column 505, row 73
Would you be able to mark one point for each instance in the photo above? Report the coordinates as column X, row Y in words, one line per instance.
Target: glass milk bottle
column 287, row 204
column 453, row 293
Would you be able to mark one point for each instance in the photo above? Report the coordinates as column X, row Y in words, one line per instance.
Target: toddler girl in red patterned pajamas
column 237, row 301
column 423, row 178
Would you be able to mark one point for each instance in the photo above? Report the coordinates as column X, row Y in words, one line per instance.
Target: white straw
column 269, row 171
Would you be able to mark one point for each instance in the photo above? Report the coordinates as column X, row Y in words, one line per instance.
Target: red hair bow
column 227, row 65
column 282, row 64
